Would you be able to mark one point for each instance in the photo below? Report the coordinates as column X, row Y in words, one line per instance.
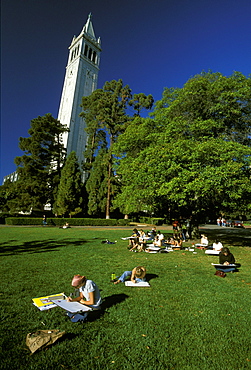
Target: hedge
column 152, row 220
column 62, row 221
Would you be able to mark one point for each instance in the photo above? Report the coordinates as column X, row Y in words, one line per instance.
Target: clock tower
column 81, row 79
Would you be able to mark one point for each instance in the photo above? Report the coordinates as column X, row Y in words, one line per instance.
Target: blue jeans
column 228, row 269
column 126, row 274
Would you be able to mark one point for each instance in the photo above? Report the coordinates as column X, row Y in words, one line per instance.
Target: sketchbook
column 140, row 284
column 45, row 303
column 72, row 307
column 129, row 237
column 211, row 251
column 220, row 265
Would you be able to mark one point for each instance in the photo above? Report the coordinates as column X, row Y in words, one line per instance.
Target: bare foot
column 116, row 282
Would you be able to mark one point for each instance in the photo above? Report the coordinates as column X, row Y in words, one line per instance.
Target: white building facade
column 81, row 79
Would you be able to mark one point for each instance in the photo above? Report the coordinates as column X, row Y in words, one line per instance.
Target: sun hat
column 77, row 280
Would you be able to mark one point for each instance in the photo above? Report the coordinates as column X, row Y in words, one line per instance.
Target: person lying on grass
column 137, row 275
column 88, row 292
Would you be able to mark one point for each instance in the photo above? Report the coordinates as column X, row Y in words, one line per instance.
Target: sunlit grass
column 188, row 319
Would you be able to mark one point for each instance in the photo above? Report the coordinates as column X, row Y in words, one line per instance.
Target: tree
column 69, row 195
column 141, row 101
column 105, row 113
column 8, row 194
column 39, row 168
column 196, row 156
column 96, row 185
column 104, row 110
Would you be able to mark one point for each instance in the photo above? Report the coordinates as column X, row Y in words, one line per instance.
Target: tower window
column 86, row 50
column 94, row 55
column 90, row 54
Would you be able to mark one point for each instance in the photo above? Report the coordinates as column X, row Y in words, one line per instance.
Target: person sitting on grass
column 203, row 242
column 133, row 242
column 178, row 243
column 142, row 241
column 137, row 275
column 217, row 246
column 65, row 226
column 226, row 258
column 159, row 239
column 88, row 292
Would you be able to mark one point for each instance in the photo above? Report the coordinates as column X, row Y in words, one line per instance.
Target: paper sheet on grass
column 140, row 284
column 45, row 303
column 210, row 251
column 220, row 265
column 72, row 307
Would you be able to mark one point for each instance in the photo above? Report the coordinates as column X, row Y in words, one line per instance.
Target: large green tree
column 105, row 112
column 194, row 157
column 8, row 194
column 69, row 195
column 39, row 168
column 96, row 185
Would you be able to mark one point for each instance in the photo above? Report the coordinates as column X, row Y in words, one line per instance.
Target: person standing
column 44, row 220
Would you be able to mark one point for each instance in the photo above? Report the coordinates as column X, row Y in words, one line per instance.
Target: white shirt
column 89, row 287
column 217, row 246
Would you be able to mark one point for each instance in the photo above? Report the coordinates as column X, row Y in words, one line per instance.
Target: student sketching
column 133, row 243
column 88, row 292
column 217, row 246
column 203, row 242
column 137, row 275
column 226, row 258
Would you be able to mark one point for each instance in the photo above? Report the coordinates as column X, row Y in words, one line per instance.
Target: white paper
column 71, row 306
column 220, row 265
column 140, row 284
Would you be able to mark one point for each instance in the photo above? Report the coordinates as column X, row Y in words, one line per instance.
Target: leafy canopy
column 194, row 155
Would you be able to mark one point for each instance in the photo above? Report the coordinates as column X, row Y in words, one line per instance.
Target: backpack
column 220, row 273
column 42, row 338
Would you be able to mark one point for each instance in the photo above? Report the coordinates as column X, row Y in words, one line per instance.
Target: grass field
column 187, row 319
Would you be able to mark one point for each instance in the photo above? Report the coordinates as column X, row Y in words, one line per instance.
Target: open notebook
column 140, row 284
column 219, row 265
column 72, row 307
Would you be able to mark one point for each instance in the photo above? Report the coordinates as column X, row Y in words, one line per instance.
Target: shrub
column 62, row 221
column 151, row 220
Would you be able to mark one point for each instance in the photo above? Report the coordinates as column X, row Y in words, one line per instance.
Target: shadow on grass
column 38, row 246
column 151, row 276
column 108, row 302
column 232, row 236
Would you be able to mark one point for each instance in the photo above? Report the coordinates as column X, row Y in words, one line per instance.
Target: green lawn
column 188, row 319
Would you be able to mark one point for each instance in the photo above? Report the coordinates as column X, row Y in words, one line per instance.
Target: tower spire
column 88, row 27
column 81, row 79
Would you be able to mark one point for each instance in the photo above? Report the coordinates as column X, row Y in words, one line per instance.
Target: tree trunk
column 108, row 199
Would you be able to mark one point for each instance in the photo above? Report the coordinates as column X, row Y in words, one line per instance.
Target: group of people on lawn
column 89, row 293
column 139, row 241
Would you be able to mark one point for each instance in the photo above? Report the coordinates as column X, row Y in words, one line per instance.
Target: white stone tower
column 81, row 79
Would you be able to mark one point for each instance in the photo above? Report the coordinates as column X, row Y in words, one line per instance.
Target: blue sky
column 150, row 44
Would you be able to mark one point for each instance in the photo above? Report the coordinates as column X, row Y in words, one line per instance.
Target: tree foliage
column 105, row 113
column 69, row 194
column 39, row 168
column 194, row 155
